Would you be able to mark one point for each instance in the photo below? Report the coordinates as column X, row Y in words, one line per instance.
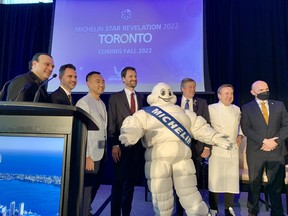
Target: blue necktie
column 187, row 104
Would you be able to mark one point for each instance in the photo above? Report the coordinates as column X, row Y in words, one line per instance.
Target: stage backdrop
column 163, row 40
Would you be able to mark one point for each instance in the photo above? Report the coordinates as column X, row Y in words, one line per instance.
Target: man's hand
column 269, row 144
column 89, row 164
column 116, row 153
column 205, row 153
column 239, row 140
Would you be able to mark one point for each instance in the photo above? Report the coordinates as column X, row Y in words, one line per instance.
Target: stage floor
column 145, row 208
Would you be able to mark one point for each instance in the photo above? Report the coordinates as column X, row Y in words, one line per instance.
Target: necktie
column 133, row 107
column 70, row 99
column 264, row 112
column 187, row 104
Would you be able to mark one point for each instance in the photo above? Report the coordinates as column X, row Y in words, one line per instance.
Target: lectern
column 48, row 124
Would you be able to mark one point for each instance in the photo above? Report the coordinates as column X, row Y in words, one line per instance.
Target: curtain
column 247, row 40
column 25, row 30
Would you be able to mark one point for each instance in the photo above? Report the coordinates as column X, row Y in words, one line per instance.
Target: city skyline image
column 30, row 175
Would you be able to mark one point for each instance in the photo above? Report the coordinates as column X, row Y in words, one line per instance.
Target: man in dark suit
column 265, row 124
column 25, row 86
column 199, row 150
column 68, row 81
column 127, row 160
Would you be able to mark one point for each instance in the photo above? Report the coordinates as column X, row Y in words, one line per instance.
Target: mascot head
column 161, row 94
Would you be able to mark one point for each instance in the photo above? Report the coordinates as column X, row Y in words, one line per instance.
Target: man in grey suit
column 127, row 160
column 199, row 150
column 265, row 124
column 96, row 140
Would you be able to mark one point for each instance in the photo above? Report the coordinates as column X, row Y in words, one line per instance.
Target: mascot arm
column 132, row 129
column 203, row 132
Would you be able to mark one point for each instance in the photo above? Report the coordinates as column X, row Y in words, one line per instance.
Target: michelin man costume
column 168, row 158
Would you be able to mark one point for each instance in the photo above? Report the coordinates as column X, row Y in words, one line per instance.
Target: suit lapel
column 195, row 105
column 139, row 101
column 272, row 111
column 123, row 100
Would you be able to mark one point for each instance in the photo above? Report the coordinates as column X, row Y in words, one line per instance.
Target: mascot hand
column 128, row 137
column 124, row 140
column 221, row 141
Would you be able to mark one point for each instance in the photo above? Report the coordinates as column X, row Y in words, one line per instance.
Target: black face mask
column 263, row 95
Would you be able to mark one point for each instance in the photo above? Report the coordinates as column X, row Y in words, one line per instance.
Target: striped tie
column 70, row 99
column 187, row 104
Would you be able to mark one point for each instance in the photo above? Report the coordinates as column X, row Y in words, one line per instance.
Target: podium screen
column 30, row 174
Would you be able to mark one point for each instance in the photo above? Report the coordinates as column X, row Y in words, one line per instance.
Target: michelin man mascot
column 166, row 131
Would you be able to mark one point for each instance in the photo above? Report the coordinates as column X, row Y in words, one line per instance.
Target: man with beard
column 68, row 81
column 127, row 160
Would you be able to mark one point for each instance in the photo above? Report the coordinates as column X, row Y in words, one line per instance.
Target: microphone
column 4, row 86
column 37, row 94
column 26, row 86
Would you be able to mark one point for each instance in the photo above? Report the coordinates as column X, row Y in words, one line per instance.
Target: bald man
column 265, row 124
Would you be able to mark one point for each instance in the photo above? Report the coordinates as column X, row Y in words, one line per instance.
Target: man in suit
column 68, row 81
column 265, row 124
column 25, row 86
column 127, row 160
column 96, row 140
column 199, row 149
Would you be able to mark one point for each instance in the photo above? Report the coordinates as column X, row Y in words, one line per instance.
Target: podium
column 54, row 120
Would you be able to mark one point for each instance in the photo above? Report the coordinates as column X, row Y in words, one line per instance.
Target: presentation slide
column 162, row 39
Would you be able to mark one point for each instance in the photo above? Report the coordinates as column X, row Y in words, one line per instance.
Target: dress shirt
column 266, row 104
column 183, row 102
column 128, row 95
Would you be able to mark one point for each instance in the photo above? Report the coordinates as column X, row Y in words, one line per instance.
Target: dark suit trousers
column 275, row 173
column 214, row 200
column 126, row 172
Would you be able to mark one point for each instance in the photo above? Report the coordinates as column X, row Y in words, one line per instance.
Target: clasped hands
column 269, row 144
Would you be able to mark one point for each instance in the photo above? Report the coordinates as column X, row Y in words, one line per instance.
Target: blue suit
column 255, row 128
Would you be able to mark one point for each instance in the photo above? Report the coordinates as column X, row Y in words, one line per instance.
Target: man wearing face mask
column 265, row 124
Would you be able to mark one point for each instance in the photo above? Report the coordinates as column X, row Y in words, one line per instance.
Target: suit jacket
column 118, row 110
column 59, row 96
column 255, row 128
column 200, row 107
column 24, row 88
